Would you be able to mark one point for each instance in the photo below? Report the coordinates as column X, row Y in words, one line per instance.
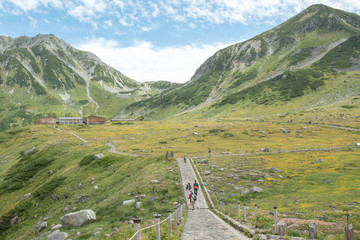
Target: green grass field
column 303, row 189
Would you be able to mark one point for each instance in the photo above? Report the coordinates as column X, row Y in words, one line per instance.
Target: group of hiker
column 192, row 195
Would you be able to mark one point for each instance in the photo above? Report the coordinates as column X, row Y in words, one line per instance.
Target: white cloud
column 29, row 5
column 143, row 62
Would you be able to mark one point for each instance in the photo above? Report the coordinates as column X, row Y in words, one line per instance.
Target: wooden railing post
column 349, row 232
column 256, row 219
column 312, row 231
column 275, row 220
column 169, row 222
column 239, row 210
column 244, row 214
column 157, row 227
column 175, row 218
column 137, row 226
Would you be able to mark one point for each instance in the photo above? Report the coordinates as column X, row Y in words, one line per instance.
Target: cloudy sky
column 151, row 40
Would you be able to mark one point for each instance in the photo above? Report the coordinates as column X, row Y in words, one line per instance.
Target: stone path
column 201, row 223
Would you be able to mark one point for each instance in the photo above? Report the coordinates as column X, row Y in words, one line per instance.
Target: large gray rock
column 207, row 172
column 55, row 227
column 255, row 189
column 98, row 156
column 204, row 161
column 78, row 219
column 57, row 235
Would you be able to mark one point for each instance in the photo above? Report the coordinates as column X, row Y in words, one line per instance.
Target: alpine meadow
column 270, row 128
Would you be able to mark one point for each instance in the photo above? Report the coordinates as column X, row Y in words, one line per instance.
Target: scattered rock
column 82, row 199
column 80, row 185
column 57, row 226
column 57, row 235
column 275, row 170
column 164, row 201
column 265, row 149
column 98, row 156
column 152, row 199
column 140, row 196
column 196, row 134
column 138, row 205
column 107, row 235
column 96, row 233
column 262, row 132
column 283, row 130
column 154, row 181
column 128, row 202
column 115, row 170
column 29, row 151
column 51, row 172
column 78, row 219
column 42, row 226
column 328, row 181
column 207, row 173
column 318, row 160
column 245, row 191
column 255, row 189
column 221, row 169
column 115, row 229
column 261, row 179
column 230, row 175
column 26, row 196
column 204, row 161
column 14, row 219
column 212, row 166
column 96, row 187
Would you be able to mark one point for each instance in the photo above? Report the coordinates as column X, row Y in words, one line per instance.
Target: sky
column 150, row 40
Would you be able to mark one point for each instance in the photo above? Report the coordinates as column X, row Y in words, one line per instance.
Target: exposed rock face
column 57, row 235
column 78, row 219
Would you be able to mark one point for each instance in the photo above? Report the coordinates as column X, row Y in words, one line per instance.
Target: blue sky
column 152, row 40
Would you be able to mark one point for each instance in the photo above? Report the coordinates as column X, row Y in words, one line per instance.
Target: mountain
column 308, row 61
column 43, row 75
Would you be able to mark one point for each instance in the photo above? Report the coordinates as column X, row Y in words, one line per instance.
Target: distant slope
column 299, row 58
column 43, row 75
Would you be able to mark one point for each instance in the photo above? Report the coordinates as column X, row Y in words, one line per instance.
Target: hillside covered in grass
column 308, row 61
column 62, row 177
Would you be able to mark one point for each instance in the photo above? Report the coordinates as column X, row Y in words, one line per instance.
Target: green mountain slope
column 43, row 75
column 300, row 58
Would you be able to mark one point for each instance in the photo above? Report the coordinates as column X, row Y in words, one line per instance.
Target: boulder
column 255, row 189
column 204, row 161
column 265, row 149
column 42, row 226
column 138, row 205
column 128, row 202
column 207, row 173
column 196, row 134
column 318, row 160
column 98, row 156
column 80, row 185
column 221, row 169
column 262, row 132
column 283, row 130
column 13, row 220
column 26, row 196
column 154, row 181
column 245, row 191
column 29, row 151
column 275, row 170
column 57, row 235
column 55, row 227
column 230, row 175
column 78, row 219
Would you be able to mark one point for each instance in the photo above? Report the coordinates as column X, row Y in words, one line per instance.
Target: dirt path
column 77, row 136
column 113, row 150
column 201, row 223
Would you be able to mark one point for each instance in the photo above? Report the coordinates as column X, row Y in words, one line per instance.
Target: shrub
column 46, row 189
column 86, row 160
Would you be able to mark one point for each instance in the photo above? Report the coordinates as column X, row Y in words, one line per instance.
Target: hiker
column 172, row 154
column 184, row 157
column 167, row 155
column 196, row 187
column 192, row 200
column 188, row 186
column 209, row 151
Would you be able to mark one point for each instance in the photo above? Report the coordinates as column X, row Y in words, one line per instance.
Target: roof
column 70, row 118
